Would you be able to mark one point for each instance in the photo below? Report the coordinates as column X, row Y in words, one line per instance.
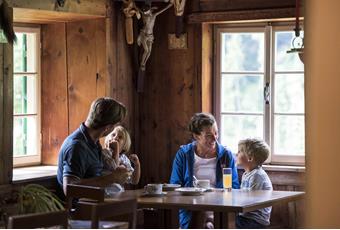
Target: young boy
column 251, row 155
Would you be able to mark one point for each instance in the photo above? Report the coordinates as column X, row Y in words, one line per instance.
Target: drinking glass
column 227, row 178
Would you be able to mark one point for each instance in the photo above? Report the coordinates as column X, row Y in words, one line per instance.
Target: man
column 80, row 156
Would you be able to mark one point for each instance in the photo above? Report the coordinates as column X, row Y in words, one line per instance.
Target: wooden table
column 225, row 205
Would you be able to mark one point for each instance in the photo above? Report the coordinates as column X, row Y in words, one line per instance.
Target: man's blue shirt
column 79, row 156
column 183, row 171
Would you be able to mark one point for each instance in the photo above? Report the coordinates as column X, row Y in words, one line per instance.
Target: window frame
column 268, row 29
column 31, row 159
column 278, row 159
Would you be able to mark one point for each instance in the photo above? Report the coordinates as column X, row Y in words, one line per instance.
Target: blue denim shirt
column 183, row 171
column 79, row 156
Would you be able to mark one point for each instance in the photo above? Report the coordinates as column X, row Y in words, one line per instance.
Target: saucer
column 190, row 191
column 153, row 195
column 170, row 187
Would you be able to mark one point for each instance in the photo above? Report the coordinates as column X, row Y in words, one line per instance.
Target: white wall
column 322, row 63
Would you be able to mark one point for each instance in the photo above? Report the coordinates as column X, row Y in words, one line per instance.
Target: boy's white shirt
column 257, row 179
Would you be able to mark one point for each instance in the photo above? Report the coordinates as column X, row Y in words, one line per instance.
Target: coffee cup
column 153, row 188
column 202, row 184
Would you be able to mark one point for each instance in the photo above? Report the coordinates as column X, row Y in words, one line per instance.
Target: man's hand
column 121, row 174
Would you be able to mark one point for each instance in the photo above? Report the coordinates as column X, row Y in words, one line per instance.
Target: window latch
column 266, row 93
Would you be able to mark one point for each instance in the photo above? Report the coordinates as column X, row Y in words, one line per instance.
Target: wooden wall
column 121, row 71
column 73, row 75
column 6, row 112
column 169, row 100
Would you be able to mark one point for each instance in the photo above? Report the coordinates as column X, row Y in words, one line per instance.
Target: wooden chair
column 101, row 211
column 39, row 220
column 95, row 209
column 77, row 191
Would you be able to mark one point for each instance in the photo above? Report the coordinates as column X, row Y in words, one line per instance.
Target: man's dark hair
column 199, row 121
column 105, row 111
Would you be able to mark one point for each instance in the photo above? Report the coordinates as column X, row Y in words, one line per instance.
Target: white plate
column 170, row 187
column 189, row 191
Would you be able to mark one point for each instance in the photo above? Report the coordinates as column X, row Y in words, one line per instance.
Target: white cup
column 202, row 183
column 153, row 188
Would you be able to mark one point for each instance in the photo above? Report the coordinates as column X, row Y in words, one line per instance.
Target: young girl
column 117, row 144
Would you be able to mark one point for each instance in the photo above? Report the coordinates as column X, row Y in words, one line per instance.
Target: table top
column 233, row 201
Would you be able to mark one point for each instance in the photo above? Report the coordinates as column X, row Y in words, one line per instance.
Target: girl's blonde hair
column 126, row 138
column 256, row 148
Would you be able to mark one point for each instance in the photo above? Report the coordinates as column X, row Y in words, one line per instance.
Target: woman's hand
column 134, row 159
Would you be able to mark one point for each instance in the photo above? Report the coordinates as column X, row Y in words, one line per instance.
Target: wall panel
column 54, row 98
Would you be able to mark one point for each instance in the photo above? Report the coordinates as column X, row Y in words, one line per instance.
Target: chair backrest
column 39, row 220
column 83, row 191
column 114, row 208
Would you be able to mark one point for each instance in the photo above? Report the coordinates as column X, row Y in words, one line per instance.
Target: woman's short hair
column 126, row 137
column 255, row 148
column 199, row 121
column 105, row 111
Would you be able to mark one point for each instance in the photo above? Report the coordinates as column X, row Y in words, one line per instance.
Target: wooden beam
column 241, row 15
column 90, row 7
column 207, row 67
column 229, row 5
column 46, row 17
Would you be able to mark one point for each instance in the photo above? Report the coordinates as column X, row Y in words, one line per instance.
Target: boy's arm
column 136, row 173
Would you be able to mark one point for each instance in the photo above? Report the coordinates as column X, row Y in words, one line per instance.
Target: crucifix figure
column 145, row 37
column 130, row 9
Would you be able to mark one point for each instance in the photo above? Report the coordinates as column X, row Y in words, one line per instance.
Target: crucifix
column 145, row 39
column 179, row 6
column 130, row 9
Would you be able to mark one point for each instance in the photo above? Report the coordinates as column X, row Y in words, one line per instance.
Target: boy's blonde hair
column 126, row 137
column 255, row 148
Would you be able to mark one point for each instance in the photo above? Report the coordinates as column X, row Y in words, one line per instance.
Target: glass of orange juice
column 227, row 178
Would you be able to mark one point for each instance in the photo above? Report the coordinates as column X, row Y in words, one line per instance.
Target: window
column 259, row 90
column 26, row 98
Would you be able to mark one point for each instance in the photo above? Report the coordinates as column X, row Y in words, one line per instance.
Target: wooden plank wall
column 121, row 71
column 6, row 112
column 54, row 100
column 168, row 102
column 83, row 83
column 73, row 75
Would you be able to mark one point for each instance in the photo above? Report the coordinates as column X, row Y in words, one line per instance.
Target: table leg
column 224, row 220
column 171, row 218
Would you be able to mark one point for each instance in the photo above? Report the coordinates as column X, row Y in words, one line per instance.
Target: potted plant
column 32, row 198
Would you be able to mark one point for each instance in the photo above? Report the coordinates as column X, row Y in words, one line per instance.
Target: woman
column 204, row 158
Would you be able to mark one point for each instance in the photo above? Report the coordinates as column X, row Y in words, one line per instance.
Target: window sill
column 282, row 168
column 26, row 174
